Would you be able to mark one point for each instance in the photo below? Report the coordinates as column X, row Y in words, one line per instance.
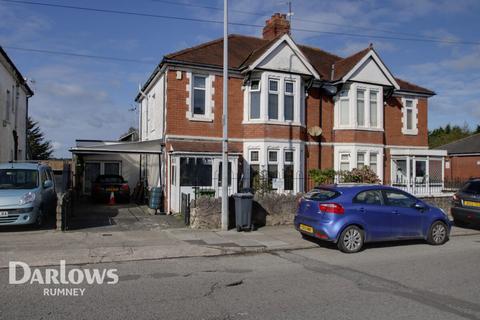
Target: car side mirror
column 420, row 206
column 48, row 184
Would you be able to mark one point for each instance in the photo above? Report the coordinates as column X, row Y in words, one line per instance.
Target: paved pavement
column 95, row 245
column 387, row 281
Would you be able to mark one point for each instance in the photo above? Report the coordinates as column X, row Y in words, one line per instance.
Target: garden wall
column 267, row 210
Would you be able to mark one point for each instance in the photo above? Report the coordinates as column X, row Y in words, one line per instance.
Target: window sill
column 274, row 122
column 410, row 132
column 359, row 128
column 199, row 118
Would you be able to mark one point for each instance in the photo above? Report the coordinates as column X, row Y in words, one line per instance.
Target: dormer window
column 274, row 98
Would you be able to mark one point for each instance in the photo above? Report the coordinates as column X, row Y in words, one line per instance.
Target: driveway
column 94, row 217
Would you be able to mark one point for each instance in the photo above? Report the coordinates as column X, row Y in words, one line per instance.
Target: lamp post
column 225, row 120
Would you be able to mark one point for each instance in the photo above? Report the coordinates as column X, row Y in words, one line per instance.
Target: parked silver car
column 27, row 193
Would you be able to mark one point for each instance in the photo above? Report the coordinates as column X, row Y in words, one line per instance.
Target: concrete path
column 47, row 247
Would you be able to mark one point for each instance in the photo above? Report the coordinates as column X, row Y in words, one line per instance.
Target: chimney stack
column 276, row 26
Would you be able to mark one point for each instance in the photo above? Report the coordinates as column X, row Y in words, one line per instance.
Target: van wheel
column 438, row 233
column 351, row 240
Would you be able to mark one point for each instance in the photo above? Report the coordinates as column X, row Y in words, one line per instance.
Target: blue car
column 351, row 215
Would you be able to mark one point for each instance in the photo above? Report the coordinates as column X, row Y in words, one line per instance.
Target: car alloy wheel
column 438, row 233
column 351, row 240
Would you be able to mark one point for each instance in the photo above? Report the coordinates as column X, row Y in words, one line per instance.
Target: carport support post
column 225, row 120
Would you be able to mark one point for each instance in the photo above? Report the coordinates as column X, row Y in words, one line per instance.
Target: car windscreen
column 18, row 179
column 322, row 194
column 110, row 179
column 472, row 187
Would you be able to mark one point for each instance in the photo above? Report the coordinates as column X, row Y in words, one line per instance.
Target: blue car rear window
column 322, row 194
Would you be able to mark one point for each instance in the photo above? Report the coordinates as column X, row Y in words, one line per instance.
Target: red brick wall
column 462, row 168
column 393, row 124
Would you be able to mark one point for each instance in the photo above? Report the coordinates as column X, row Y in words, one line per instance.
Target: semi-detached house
column 291, row 108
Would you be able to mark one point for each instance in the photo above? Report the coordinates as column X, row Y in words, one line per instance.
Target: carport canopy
column 137, row 147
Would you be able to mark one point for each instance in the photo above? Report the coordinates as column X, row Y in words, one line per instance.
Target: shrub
column 261, row 184
column 322, row 176
column 359, row 175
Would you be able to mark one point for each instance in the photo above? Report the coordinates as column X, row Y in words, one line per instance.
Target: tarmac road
column 409, row 280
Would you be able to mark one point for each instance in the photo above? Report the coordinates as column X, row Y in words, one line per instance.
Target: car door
column 371, row 210
column 47, row 193
column 407, row 220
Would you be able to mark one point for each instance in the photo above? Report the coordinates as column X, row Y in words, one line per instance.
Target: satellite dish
column 315, row 131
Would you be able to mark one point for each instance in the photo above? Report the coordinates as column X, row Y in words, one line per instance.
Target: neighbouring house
column 292, row 108
column 14, row 95
column 463, row 160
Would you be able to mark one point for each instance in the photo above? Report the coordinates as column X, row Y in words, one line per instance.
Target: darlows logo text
column 60, row 281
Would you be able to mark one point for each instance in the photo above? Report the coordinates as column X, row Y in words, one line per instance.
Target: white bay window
column 359, row 106
column 349, row 156
column 274, row 98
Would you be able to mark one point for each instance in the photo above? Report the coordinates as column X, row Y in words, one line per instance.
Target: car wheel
column 351, row 240
column 438, row 233
column 40, row 219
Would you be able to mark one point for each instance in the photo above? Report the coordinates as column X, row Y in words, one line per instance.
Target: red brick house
column 291, row 108
column 463, row 160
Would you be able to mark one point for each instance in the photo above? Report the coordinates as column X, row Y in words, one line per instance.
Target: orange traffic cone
column 112, row 199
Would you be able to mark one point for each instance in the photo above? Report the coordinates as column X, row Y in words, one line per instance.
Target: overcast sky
column 83, row 98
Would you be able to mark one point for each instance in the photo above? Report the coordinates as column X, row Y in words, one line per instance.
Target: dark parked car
column 466, row 204
column 350, row 215
column 104, row 185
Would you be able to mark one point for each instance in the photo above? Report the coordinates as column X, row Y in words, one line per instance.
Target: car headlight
column 28, row 197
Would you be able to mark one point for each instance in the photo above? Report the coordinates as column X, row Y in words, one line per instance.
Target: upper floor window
column 199, row 94
column 409, row 117
column 289, row 99
column 359, row 106
column 200, row 97
column 274, row 98
column 255, row 99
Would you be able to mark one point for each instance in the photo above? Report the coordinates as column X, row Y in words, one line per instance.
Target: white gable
column 284, row 55
column 284, row 58
column 370, row 72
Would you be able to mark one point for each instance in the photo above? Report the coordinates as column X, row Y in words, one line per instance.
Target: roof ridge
column 319, row 49
column 458, row 140
column 354, row 54
column 199, row 46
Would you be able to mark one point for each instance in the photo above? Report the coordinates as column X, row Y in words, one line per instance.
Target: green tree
column 447, row 134
column 39, row 148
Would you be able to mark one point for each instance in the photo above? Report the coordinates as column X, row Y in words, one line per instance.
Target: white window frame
column 414, row 108
column 273, row 92
column 363, row 163
column 280, row 147
column 350, row 93
column 209, row 92
column 353, row 150
column 291, row 94
column 364, row 125
column 282, row 78
column 250, row 90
